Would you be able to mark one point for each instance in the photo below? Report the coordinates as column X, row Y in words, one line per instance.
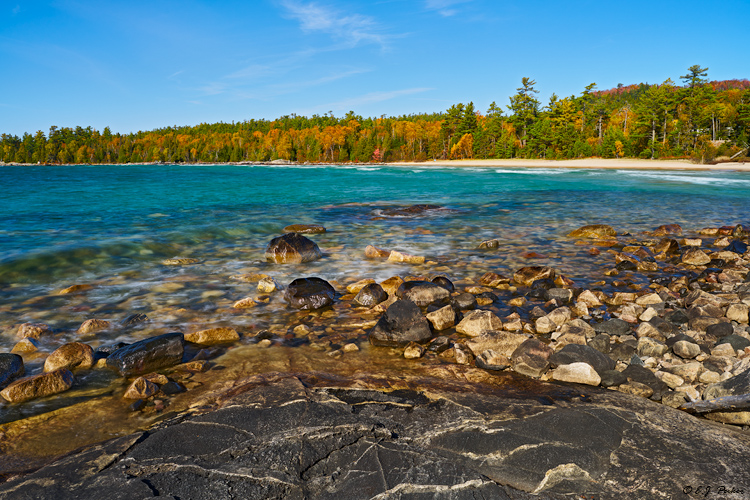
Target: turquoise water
column 112, row 227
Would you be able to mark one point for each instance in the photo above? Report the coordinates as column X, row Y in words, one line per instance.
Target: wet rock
column 589, row 298
column 391, row 284
column 531, row 358
column 464, row 301
column 736, row 246
column 667, row 246
column 33, row 330
column 26, row 346
column 594, row 231
column 309, row 293
column 443, row 318
column 401, row 323
column 212, row 336
column 11, row 368
column 180, row 261
column 147, row 355
column 134, row 319
column 491, row 360
column 478, row 322
column 422, row 293
column 695, row 257
column 92, row 326
column 292, row 248
column 502, row 342
column 396, row 256
column 370, row 295
column 74, row 355
column 440, row 344
column 305, row 229
column 141, row 388
column 526, row 276
column 355, row 288
column 576, row 353
column 267, row 285
column 493, row 279
column 493, row 244
column 413, row 351
column 668, row 229
column 38, row 386
column 372, row 252
column 246, row 303
column 613, row 326
column 444, row 282
column 637, row 389
column 577, row 373
column 562, row 295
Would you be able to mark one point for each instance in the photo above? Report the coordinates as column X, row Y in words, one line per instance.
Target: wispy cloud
column 372, row 97
column 445, row 8
column 354, row 29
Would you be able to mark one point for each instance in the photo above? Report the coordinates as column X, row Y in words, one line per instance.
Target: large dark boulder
column 147, row 355
column 11, row 368
column 292, row 248
column 309, row 293
column 401, row 323
column 576, row 353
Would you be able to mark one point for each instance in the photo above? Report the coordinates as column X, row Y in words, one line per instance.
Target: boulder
column 141, row 388
column 503, row 343
column 212, row 336
column 531, row 358
column 309, row 293
column 695, row 257
column 443, row 318
column 478, row 322
column 38, row 386
column 292, row 248
column 71, row 356
column 491, row 360
column 594, row 231
column 526, row 276
column 422, row 293
column 577, row 373
column 444, row 282
column 11, row 368
column 147, row 355
column 576, row 353
column 370, row 295
column 401, row 323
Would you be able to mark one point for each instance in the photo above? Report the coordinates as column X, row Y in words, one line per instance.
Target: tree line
column 698, row 119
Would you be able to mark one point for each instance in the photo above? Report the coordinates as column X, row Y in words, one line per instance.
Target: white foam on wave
column 532, row 171
column 687, row 178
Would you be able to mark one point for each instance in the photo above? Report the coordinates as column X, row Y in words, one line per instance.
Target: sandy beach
column 624, row 163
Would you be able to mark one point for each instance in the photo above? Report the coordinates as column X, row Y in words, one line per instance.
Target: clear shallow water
column 112, row 227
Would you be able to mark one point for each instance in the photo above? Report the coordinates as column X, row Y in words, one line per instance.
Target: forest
column 706, row 121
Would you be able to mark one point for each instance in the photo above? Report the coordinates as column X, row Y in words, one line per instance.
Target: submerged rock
column 594, row 231
column 32, row 330
column 526, row 276
column 212, row 336
column 92, row 326
column 411, row 211
column 422, row 293
column 401, row 323
column 11, row 368
column 292, row 248
column 305, row 229
column 309, row 293
column 38, row 386
column 147, row 355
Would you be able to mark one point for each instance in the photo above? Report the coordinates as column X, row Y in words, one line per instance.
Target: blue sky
column 138, row 65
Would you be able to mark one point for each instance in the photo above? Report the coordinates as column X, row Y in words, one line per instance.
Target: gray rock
column 309, row 293
column 612, row 377
column 401, row 323
column 737, row 342
column 443, row 318
column 685, row 349
column 465, row 301
column 645, row 376
column 147, row 355
column 614, row 326
column 601, row 343
column 444, row 282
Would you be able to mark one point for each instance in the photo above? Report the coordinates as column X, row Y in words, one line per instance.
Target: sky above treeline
column 143, row 64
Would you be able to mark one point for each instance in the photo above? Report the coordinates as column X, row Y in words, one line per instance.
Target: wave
column 692, row 178
column 533, row 171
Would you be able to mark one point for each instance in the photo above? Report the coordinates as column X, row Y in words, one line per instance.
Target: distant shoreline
column 585, row 163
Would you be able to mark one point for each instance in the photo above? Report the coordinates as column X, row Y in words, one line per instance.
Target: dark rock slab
column 735, row 386
column 576, row 353
column 292, row 248
column 402, row 322
column 11, row 368
column 147, row 355
column 288, row 440
column 309, row 293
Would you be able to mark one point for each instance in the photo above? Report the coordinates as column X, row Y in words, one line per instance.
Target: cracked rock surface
column 288, row 439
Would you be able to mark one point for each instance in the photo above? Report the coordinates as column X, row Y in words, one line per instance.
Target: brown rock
column 37, row 386
column 26, row 345
column 493, row 279
column 213, row 336
column 478, row 322
column 372, row 252
column 305, row 229
column 668, row 229
column 636, row 389
column 391, row 285
column 245, row 303
column 577, row 373
column 75, row 289
column 141, row 388
column 354, row 288
column 413, row 351
column 443, row 318
column 33, row 330
column 526, row 276
column 695, row 257
column 71, row 356
column 405, row 258
column 594, row 231
column 92, row 326
column 503, row 343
